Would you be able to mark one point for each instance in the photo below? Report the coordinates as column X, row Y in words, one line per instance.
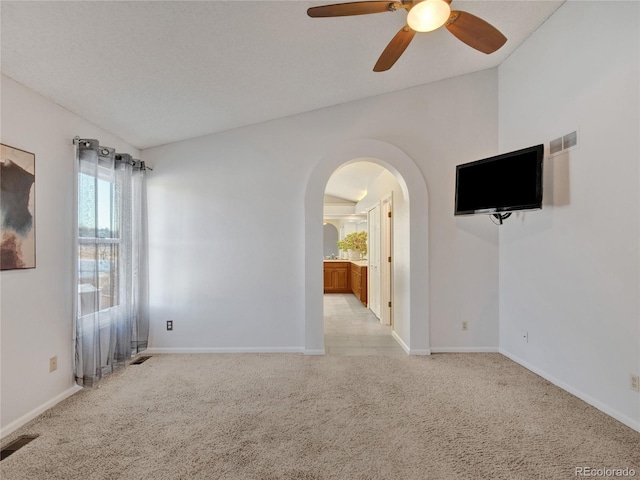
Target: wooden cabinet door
column 328, row 281
column 340, row 279
column 355, row 280
column 363, row 286
column 336, row 277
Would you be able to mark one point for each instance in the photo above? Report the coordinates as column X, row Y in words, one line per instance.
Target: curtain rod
column 92, row 143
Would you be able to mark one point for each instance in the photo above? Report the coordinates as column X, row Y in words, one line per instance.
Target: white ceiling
column 350, row 182
column 162, row 71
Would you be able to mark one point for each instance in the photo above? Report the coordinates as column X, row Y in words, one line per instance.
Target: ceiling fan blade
column 475, row 32
column 352, row 8
column 396, row 47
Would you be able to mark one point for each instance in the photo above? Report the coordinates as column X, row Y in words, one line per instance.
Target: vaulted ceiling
column 155, row 72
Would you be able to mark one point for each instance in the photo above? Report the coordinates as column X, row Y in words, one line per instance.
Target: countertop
column 360, row 263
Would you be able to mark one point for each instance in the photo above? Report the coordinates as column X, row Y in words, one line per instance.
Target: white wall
column 36, row 304
column 224, row 207
column 569, row 274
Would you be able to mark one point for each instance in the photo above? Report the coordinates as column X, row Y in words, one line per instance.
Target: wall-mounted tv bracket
column 501, row 217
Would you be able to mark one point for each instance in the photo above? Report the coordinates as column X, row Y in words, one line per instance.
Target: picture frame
column 17, row 208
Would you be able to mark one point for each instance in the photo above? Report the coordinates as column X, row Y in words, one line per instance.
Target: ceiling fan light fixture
column 428, row 15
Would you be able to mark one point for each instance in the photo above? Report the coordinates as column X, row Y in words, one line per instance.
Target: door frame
column 386, row 269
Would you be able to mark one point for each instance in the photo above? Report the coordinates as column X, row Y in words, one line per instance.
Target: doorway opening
column 357, row 301
column 410, row 287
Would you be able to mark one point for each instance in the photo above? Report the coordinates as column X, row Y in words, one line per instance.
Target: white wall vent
column 564, row 143
column 570, row 140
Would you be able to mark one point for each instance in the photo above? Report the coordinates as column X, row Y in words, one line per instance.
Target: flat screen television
column 500, row 184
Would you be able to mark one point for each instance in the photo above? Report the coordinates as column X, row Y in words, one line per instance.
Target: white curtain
column 112, row 321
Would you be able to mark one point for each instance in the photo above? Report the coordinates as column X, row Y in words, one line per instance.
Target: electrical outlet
column 169, row 324
column 525, row 337
column 634, row 382
column 53, row 364
column 465, row 326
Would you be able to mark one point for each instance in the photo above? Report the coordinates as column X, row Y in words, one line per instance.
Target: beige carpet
column 250, row 416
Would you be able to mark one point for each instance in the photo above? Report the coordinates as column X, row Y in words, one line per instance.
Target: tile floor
column 352, row 329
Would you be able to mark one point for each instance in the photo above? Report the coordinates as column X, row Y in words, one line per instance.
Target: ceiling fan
column 422, row 16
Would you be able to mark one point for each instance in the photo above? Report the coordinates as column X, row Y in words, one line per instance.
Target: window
column 98, row 242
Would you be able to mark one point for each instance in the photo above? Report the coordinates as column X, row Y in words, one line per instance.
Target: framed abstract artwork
column 17, row 208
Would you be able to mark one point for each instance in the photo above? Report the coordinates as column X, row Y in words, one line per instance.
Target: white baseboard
column 405, row 347
column 314, row 352
column 400, row 341
column 464, row 350
column 156, row 350
column 629, row 422
column 416, row 351
column 27, row 417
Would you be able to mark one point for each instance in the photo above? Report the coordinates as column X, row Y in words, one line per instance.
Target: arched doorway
column 358, row 200
column 411, row 295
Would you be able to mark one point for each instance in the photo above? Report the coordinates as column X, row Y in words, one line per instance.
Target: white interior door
column 373, row 249
column 386, row 261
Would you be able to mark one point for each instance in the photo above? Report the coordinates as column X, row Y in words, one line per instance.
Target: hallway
column 352, row 329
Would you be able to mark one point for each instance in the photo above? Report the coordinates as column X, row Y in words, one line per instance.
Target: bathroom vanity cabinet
column 343, row 276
